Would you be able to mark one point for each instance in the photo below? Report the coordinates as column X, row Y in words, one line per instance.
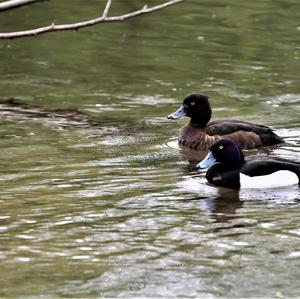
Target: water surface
column 100, row 201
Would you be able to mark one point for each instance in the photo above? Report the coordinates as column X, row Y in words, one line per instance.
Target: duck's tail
column 271, row 138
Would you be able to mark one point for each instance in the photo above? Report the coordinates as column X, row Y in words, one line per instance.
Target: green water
column 114, row 210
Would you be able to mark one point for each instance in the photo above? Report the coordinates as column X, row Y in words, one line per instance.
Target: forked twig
column 106, row 9
column 75, row 26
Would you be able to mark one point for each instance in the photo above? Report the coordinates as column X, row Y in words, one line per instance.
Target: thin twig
column 107, row 7
column 15, row 3
column 91, row 22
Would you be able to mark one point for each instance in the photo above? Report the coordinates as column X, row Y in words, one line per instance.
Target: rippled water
column 100, row 201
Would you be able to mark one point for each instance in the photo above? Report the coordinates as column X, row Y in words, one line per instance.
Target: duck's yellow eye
column 192, row 103
column 221, row 147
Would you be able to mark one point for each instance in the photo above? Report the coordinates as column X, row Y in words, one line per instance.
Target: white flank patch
column 277, row 179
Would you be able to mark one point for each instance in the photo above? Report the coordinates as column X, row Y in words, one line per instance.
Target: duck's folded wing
column 228, row 126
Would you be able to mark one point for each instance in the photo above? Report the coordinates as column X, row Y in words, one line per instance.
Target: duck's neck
column 200, row 118
column 197, row 123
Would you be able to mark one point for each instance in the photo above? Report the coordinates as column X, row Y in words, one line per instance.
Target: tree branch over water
column 103, row 19
column 15, row 3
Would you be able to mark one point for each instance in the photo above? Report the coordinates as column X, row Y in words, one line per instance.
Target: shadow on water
column 62, row 118
column 224, row 205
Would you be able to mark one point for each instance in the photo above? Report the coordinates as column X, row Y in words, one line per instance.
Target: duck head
column 197, row 107
column 224, row 151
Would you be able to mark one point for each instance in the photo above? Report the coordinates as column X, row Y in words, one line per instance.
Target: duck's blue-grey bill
column 207, row 161
column 177, row 114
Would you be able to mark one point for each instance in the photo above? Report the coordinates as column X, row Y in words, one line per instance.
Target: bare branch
column 107, row 7
column 91, row 22
column 15, row 3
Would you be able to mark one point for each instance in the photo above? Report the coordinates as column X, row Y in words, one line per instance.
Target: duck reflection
column 226, row 205
column 223, row 206
column 220, row 203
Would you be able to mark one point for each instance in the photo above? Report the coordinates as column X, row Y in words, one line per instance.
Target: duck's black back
column 264, row 165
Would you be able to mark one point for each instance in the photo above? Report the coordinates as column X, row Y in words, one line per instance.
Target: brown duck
column 199, row 133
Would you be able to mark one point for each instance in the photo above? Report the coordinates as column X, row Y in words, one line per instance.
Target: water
column 102, row 202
